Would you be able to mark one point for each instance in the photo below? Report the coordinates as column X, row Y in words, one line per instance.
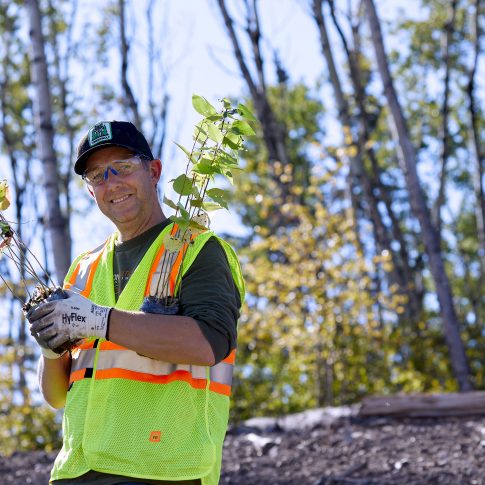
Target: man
column 146, row 395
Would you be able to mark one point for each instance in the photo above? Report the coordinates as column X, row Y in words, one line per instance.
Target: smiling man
column 146, row 395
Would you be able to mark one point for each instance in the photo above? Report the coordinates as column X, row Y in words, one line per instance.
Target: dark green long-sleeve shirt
column 208, row 293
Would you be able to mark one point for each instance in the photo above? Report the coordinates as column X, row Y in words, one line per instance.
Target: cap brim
column 80, row 164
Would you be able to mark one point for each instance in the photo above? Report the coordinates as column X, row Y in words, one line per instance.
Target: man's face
column 129, row 201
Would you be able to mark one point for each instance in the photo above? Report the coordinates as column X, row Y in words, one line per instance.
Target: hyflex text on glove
column 72, row 318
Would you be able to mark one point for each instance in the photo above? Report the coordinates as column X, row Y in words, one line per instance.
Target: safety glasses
column 96, row 176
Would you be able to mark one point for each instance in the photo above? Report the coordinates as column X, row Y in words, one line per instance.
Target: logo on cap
column 100, row 132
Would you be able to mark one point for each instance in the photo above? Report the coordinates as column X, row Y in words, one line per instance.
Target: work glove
column 53, row 323
column 57, row 294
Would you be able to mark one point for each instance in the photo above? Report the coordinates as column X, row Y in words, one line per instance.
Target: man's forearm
column 53, row 377
column 177, row 339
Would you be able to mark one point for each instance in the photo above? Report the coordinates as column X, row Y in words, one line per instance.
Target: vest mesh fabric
column 109, row 424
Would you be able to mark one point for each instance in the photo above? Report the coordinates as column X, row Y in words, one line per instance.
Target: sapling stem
column 217, row 142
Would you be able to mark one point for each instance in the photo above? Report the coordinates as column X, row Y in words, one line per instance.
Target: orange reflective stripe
column 175, row 268
column 218, row 385
column 92, row 271
column 107, row 345
column 231, row 358
column 85, row 345
column 76, row 375
column 179, row 375
column 156, row 261
column 84, row 264
column 176, row 265
column 153, row 269
column 73, row 277
column 220, row 388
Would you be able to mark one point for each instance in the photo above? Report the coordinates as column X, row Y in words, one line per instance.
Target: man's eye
column 95, row 176
column 123, row 167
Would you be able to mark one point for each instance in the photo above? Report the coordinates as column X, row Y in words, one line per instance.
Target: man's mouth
column 120, row 199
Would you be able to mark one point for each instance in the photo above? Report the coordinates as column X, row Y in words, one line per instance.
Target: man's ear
column 156, row 170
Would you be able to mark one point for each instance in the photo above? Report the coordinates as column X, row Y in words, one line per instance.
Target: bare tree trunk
column 444, row 131
column 54, row 219
column 273, row 132
column 474, row 139
column 129, row 98
column 61, row 69
column 401, row 273
column 158, row 113
column 407, row 157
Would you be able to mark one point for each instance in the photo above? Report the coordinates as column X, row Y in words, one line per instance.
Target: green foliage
column 25, row 423
column 316, row 329
column 218, row 139
column 323, row 322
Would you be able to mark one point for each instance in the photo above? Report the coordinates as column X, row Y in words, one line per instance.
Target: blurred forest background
column 362, row 197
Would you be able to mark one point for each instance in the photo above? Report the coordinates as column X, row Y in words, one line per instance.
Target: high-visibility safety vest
column 131, row 415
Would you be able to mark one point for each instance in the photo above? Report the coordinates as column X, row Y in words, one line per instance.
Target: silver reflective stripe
column 84, row 266
column 159, row 285
column 222, row 373
column 82, row 275
column 130, row 360
column 83, row 360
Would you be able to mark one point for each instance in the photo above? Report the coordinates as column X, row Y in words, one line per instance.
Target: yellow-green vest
column 131, row 415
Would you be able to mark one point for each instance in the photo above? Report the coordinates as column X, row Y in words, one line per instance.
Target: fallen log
column 424, row 405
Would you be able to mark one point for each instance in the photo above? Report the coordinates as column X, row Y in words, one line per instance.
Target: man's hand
column 56, row 322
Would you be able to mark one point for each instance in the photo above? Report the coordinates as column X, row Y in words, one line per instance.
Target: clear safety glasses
column 98, row 175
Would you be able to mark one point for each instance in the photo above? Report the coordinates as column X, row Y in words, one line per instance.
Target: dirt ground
column 318, row 449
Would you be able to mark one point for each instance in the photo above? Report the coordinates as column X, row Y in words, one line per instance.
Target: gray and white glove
column 56, row 322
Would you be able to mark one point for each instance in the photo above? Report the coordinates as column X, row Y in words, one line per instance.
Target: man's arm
column 209, row 302
column 176, row 339
column 170, row 338
column 53, row 375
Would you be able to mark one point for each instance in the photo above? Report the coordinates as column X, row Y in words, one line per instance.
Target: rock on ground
column 344, row 450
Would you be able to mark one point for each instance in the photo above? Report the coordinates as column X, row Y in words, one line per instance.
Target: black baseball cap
column 110, row 133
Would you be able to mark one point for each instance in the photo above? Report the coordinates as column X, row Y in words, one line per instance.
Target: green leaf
column 4, row 228
column 199, row 127
column 182, row 223
column 200, row 136
column 172, row 244
column 241, row 128
column 211, row 206
column 215, row 117
column 183, row 213
column 3, row 188
column 245, row 112
column 170, row 203
column 182, row 185
column 189, row 155
column 219, row 196
column 227, row 159
column 201, row 179
column 229, row 177
column 197, row 202
column 195, row 225
column 4, row 196
column 206, row 167
column 195, row 191
column 214, row 133
column 202, row 106
column 232, row 140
